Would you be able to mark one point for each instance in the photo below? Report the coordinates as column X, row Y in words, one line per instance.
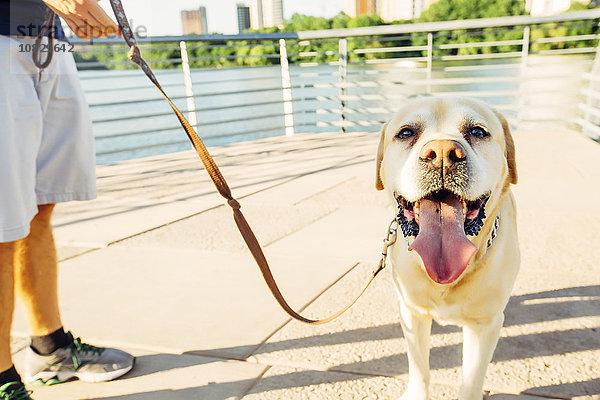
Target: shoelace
column 20, row 393
column 77, row 347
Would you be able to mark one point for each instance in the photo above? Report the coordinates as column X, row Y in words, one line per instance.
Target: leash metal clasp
column 390, row 239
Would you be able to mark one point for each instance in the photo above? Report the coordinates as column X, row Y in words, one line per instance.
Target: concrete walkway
column 155, row 266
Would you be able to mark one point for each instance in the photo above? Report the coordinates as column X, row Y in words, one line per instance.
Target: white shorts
column 46, row 140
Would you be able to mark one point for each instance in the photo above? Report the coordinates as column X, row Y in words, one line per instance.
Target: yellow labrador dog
column 449, row 163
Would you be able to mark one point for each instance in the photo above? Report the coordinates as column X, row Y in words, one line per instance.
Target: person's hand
column 85, row 17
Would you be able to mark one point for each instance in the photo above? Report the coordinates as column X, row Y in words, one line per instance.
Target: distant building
column 266, row 13
column 243, row 17
column 393, row 10
column 354, row 8
column 548, row 7
column 256, row 14
column 194, row 21
column 272, row 13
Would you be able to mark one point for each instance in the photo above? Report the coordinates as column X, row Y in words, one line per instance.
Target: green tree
column 449, row 10
column 114, row 55
column 340, row 21
column 300, row 22
column 570, row 29
column 365, row 20
column 357, row 43
column 200, row 54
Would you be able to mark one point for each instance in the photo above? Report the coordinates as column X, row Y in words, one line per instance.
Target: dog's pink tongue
column 441, row 242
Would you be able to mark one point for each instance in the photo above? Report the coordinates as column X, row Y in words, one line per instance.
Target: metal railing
column 532, row 69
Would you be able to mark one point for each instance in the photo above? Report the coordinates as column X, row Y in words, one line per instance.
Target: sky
column 161, row 17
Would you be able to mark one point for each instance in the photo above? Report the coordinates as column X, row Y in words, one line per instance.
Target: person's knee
column 6, row 251
column 44, row 212
column 6, row 245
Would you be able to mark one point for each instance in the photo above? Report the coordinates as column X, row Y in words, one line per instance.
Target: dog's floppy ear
column 378, row 181
column 510, row 149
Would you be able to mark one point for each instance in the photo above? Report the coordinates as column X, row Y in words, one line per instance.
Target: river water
column 550, row 85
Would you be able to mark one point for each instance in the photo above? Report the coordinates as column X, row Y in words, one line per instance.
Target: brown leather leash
column 47, row 30
column 224, row 190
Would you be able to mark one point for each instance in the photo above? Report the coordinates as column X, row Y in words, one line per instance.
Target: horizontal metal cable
column 196, row 83
column 212, row 94
column 210, row 123
column 263, row 103
column 180, row 142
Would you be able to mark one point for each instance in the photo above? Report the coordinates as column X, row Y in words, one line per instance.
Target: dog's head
column 445, row 160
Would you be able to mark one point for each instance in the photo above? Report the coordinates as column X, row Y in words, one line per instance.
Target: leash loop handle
column 47, row 30
column 221, row 184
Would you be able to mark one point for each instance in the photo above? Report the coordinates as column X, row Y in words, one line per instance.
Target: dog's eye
column 405, row 133
column 478, row 132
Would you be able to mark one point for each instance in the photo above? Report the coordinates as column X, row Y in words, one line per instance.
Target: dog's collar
column 494, row 231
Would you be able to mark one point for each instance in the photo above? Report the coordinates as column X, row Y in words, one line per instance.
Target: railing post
column 589, row 100
column 343, row 70
column 286, row 85
column 523, row 70
column 189, row 89
column 429, row 60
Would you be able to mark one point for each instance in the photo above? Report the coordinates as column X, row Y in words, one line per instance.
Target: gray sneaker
column 14, row 391
column 77, row 360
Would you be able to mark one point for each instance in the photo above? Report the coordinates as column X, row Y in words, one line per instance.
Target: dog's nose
column 443, row 153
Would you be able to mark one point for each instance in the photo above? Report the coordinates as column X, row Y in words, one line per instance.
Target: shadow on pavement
column 530, row 308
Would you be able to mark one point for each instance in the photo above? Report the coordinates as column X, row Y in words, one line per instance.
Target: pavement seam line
column 335, row 165
column 190, row 160
column 322, row 191
column 327, row 214
column 81, row 254
column 301, row 310
column 253, row 384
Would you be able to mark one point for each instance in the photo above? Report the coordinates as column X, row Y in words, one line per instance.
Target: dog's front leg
column 417, row 331
column 479, row 342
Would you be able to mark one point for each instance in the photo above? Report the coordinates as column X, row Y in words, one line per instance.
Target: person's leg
column 11, row 386
column 65, row 171
column 20, row 136
column 36, row 275
column 6, row 303
column 55, row 356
